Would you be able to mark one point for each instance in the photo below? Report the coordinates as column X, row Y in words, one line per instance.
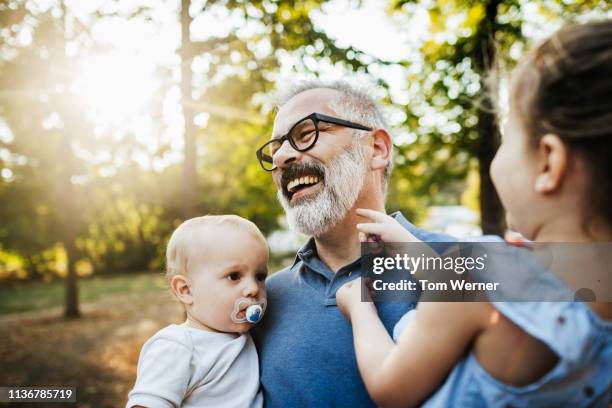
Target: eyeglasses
column 302, row 137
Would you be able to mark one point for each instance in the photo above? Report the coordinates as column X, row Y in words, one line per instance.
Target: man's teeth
column 301, row 181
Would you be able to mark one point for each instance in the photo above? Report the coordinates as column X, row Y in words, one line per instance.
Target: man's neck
column 340, row 245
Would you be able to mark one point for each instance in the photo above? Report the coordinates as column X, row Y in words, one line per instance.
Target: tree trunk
column 190, row 185
column 68, row 198
column 491, row 210
column 68, row 202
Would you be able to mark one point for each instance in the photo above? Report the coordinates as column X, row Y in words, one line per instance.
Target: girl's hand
column 348, row 298
column 382, row 228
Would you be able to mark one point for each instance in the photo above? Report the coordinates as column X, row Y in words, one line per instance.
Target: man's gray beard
column 343, row 182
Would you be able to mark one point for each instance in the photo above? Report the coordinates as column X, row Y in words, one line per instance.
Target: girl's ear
column 181, row 288
column 381, row 149
column 552, row 154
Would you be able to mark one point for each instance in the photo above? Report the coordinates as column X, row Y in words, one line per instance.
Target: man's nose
column 251, row 288
column 285, row 155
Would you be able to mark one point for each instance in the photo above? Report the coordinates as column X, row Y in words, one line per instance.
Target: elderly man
column 330, row 153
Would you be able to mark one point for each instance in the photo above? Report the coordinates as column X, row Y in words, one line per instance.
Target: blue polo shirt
column 305, row 345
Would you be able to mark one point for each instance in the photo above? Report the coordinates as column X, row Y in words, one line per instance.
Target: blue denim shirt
column 305, row 345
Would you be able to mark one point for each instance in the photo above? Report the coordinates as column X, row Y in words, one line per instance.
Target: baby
column 217, row 266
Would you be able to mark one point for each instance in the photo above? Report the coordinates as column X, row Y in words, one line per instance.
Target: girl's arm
column 438, row 336
column 432, row 343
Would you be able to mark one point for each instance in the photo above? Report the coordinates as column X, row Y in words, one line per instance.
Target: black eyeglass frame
column 316, row 118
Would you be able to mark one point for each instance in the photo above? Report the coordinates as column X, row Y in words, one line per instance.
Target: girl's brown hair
column 564, row 87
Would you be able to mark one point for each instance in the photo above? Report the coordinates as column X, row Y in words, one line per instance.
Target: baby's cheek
column 221, row 313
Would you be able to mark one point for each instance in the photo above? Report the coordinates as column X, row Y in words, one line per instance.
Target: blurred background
column 119, row 119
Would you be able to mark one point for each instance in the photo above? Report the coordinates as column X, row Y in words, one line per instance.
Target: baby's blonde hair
column 182, row 243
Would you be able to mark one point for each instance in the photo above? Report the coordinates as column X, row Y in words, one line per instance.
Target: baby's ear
column 181, row 289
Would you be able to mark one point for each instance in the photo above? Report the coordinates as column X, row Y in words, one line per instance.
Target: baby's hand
column 348, row 298
column 383, row 227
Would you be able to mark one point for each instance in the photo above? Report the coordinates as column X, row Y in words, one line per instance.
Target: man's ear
column 552, row 168
column 382, row 147
column 182, row 290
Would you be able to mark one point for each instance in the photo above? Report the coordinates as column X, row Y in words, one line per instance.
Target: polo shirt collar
column 309, row 258
column 307, row 250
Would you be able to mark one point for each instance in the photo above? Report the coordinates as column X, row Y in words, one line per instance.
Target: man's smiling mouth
column 301, row 186
column 301, row 182
column 301, row 179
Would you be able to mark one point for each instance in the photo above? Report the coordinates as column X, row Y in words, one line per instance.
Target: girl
column 552, row 173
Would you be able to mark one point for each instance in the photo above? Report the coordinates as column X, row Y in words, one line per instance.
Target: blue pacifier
column 253, row 310
column 254, row 313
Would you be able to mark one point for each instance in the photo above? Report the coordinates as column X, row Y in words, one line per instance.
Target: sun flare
column 115, row 87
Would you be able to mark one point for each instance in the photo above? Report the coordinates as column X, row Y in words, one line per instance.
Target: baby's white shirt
column 182, row 366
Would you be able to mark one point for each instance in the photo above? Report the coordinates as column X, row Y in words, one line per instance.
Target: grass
column 30, row 296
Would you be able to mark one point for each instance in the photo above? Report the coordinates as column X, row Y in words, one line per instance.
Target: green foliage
column 124, row 232
column 450, row 87
column 125, row 211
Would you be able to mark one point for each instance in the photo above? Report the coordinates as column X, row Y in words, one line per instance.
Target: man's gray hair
column 352, row 103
